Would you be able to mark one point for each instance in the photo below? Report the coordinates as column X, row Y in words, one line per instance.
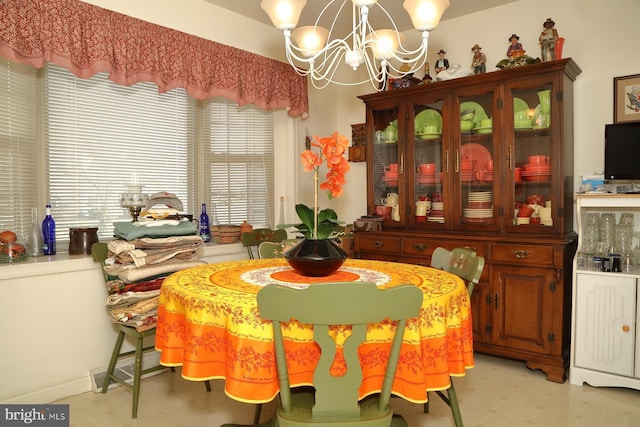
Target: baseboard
column 54, row 393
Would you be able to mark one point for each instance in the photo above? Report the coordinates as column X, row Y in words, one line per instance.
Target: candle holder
column 134, row 200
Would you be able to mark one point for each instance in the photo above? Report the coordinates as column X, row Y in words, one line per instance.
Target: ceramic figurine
column 515, row 49
column 442, row 63
column 479, row 60
column 548, row 39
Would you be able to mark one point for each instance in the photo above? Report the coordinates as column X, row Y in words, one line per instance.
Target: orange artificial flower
column 332, row 150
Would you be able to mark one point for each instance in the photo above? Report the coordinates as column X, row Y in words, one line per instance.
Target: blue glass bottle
column 204, row 224
column 48, row 233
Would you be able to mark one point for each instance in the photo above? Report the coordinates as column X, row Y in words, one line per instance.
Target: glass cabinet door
column 428, row 164
column 476, row 163
column 388, row 165
column 533, row 159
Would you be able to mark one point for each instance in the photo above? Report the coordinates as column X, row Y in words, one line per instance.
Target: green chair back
column 463, row 262
column 252, row 239
column 335, row 400
column 276, row 249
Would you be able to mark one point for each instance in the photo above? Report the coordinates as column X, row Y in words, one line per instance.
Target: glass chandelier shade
column 311, row 51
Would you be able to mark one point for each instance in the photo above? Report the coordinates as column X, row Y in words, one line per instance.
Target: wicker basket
column 225, row 233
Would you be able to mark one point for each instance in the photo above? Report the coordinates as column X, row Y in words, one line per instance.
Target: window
column 97, row 134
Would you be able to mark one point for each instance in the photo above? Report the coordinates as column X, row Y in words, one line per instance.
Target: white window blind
column 238, row 163
column 18, row 145
column 98, row 134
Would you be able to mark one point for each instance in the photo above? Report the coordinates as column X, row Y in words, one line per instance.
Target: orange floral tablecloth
column 208, row 323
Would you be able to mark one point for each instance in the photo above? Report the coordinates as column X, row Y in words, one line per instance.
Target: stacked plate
column 437, row 212
column 427, row 178
column 536, row 172
column 467, row 175
column 479, row 207
column 391, row 181
column 484, row 175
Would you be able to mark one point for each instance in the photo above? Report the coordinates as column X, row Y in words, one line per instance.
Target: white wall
column 53, row 326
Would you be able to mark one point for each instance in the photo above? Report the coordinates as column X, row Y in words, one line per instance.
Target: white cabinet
column 605, row 345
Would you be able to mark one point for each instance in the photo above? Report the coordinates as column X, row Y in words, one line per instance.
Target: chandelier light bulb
column 386, row 43
column 284, row 14
column 425, row 14
column 310, row 39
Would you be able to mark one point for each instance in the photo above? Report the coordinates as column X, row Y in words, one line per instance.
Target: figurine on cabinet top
column 548, row 39
column 515, row 49
column 479, row 60
column 442, row 63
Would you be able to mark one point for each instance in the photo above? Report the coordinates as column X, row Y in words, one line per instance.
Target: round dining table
column 209, row 323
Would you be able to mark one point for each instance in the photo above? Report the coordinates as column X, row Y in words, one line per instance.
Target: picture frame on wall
column 626, row 99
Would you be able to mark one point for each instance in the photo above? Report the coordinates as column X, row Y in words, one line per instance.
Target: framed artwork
column 626, row 99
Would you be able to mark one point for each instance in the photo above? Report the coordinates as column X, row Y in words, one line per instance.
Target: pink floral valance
column 87, row 39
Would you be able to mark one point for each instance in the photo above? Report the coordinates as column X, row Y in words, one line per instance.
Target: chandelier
column 311, row 51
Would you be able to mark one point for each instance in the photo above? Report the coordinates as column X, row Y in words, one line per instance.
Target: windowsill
column 62, row 262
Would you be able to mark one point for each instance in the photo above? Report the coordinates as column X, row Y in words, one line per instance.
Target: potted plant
column 317, row 255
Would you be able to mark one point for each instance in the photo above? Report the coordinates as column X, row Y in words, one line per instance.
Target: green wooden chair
column 276, row 249
column 99, row 252
column 252, row 239
column 333, row 401
column 464, row 263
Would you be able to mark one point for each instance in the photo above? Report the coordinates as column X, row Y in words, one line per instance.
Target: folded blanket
column 128, row 299
column 131, row 275
column 141, row 307
column 130, row 231
column 118, row 286
column 146, row 251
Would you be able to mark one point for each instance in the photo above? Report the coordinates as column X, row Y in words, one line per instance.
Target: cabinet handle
column 521, row 253
column 446, row 161
column 419, row 247
column 456, row 166
column 401, row 165
column 509, row 158
column 496, row 304
column 626, row 328
column 378, row 244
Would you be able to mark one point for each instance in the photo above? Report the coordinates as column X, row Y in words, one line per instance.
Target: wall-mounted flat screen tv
column 622, row 151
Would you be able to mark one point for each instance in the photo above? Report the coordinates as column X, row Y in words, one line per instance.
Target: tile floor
column 497, row 392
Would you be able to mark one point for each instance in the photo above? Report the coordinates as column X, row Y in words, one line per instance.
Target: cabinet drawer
column 522, row 254
column 425, row 247
column 379, row 244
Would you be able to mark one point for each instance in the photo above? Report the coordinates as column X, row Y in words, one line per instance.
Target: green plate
column 429, row 136
column 519, row 105
column 483, row 131
column 427, row 118
column 480, row 113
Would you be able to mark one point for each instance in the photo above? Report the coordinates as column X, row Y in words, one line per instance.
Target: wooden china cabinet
column 518, row 148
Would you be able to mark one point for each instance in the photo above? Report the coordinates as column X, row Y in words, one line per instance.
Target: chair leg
column 207, row 385
column 112, row 362
column 455, row 408
column 256, row 416
column 425, row 409
column 136, row 376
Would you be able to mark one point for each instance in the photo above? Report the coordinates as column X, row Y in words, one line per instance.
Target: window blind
column 98, row 134
column 238, row 163
column 18, row 146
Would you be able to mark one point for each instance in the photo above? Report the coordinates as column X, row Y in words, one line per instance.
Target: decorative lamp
column 307, row 47
column 134, row 200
